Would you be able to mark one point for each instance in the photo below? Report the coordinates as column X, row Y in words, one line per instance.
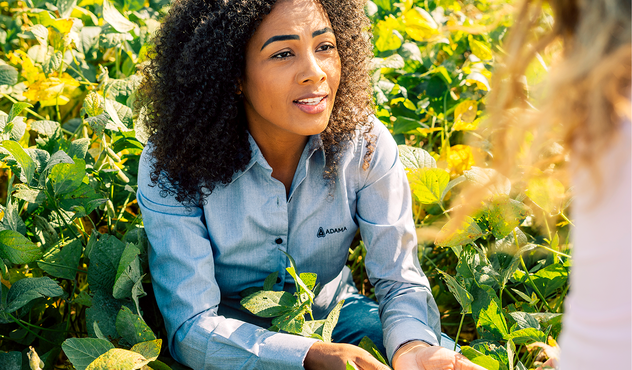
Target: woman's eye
column 282, row 55
column 325, row 47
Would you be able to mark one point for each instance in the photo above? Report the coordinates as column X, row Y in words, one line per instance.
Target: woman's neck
column 282, row 154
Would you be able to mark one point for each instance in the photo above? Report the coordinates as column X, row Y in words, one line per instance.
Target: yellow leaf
column 465, row 115
column 59, row 100
column 428, row 130
column 460, row 158
column 480, row 49
column 420, row 25
column 29, row 71
column 388, row 37
column 49, row 91
column 14, row 59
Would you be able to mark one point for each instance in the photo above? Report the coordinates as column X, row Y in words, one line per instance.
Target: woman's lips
column 313, row 105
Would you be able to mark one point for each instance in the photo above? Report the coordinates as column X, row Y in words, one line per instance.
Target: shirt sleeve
column 407, row 309
column 183, row 278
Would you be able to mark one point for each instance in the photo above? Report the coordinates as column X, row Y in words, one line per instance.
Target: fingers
column 368, row 362
column 462, row 363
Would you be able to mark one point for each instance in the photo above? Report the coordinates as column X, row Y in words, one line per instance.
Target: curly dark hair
column 189, row 93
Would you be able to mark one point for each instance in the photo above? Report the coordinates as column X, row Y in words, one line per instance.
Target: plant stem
column 26, row 109
column 559, row 304
column 459, row 331
column 546, row 222
column 19, row 322
column 554, row 251
column 537, row 291
column 566, row 219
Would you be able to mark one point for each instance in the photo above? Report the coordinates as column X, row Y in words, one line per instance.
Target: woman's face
column 292, row 72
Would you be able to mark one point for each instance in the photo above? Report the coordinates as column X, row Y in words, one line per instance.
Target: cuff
column 284, row 351
column 406, row 331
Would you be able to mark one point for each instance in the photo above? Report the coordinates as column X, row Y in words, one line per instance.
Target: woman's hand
column 334, row 356
column 421, row 356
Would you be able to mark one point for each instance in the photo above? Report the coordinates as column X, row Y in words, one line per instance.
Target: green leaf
column 53, row 62
column 115, row 122
column 98, row 122
column 84, row 196
column 503, row 215
column 103, row 312
column 48, row 134
column 104, row 261
column 464, row 297
column 82, row 351
column 267, row 303
column 291, row 321
column 11, row 360
column 350, row 366
column 62, row 262
column 132, row 327
column 116, row 19
column 480, row 49
column 159, row 365
column 331, row 321
column 550, row 278
column 300, row 285
column 526, row 336
column 66, row 177
column 17, row 248
column 8, row 75
column 414, row 158
column 26, row 162
column 309, row 278
column 525, row 320
column 128, row 272
column 84, row 299
column 93, row 104
column 65, row 7
column 41, row 34
column 79, row 148
column 118, row 358
column 12, row 219
column 393, row 61
column 453, row 234
column 480, row 359
column 367, row 344
column 270, row 280
column 25, row 290
column 388, row 37
column 428, row 184
column 16, row 109
column 58, row 157
column 112, row 39
column 491, row 320
column 150, row 349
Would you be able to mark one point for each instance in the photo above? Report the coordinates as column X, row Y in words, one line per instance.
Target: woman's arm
column 182, row 269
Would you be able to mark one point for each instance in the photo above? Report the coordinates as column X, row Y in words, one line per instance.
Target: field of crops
column 73, row 265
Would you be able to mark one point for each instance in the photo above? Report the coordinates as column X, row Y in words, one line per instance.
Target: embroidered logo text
column 324, row 232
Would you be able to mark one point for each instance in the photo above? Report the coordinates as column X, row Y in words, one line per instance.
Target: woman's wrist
column 408, row 347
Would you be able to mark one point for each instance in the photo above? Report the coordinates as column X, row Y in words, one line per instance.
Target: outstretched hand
column 421, row 356
column 334, row 356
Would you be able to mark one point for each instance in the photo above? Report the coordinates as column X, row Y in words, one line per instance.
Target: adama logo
column 324, row 232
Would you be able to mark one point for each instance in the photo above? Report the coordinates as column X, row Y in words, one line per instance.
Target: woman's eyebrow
column 295, row 37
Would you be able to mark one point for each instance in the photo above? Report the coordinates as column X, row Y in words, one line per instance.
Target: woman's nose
column 311, row 71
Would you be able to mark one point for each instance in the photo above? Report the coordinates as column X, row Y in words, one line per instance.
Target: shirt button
column 278, row 240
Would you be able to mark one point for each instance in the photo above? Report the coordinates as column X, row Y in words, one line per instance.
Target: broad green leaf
column 41, row 34
column 525, row 320
column 17, row 248
column 453, row 234
column 546, row 193
column 300, row 285
column 82, row 200
column 309, row 278
column 526, row 336
column 79, row 148
column 331, row 321
column 104, row 260
column 11, row 219
column 452, row 184
column 132, row 327
column 149, row 349
column 103, row 312
column 480, row 359
column 428, row 184
column 8, row 75
column 116, row 19
column 112, row 39
column 62, row 261
column 115, row 124
column 550, row 278
column 40, row 156
column 123, row 88
column 367, row 344
column 65, row 7
column 25, row 290
column 494, row 350
column 159, row 365
column 270, row 281
column 393, row 61
column 464, row 297
column 66, row 177
column 48, row 135
column 414, row 158
column 419, row 24
column 83, row 299
column 82, row 351
column 291, row 321
column 93, row 104
column 124, row 114
column 53, row 62
column 511, row 354
column 98, row 122
column 531, row 300
column 26, row 162
column 58, row 157
column 493, row 182
column 118, row 359
column 128, row 272
column 503, row 215
column 491, row 319
column 16, row 109
column 267, row 303
column 11, row 360
column 313, row 329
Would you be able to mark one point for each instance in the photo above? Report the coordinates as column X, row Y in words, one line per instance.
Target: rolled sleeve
column 183, row 276
column 407, row 308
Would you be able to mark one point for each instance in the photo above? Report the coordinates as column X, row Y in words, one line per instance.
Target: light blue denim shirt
column 202, row 258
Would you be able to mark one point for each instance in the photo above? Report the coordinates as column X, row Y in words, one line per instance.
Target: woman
column 587, row 108
column 262, row 137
